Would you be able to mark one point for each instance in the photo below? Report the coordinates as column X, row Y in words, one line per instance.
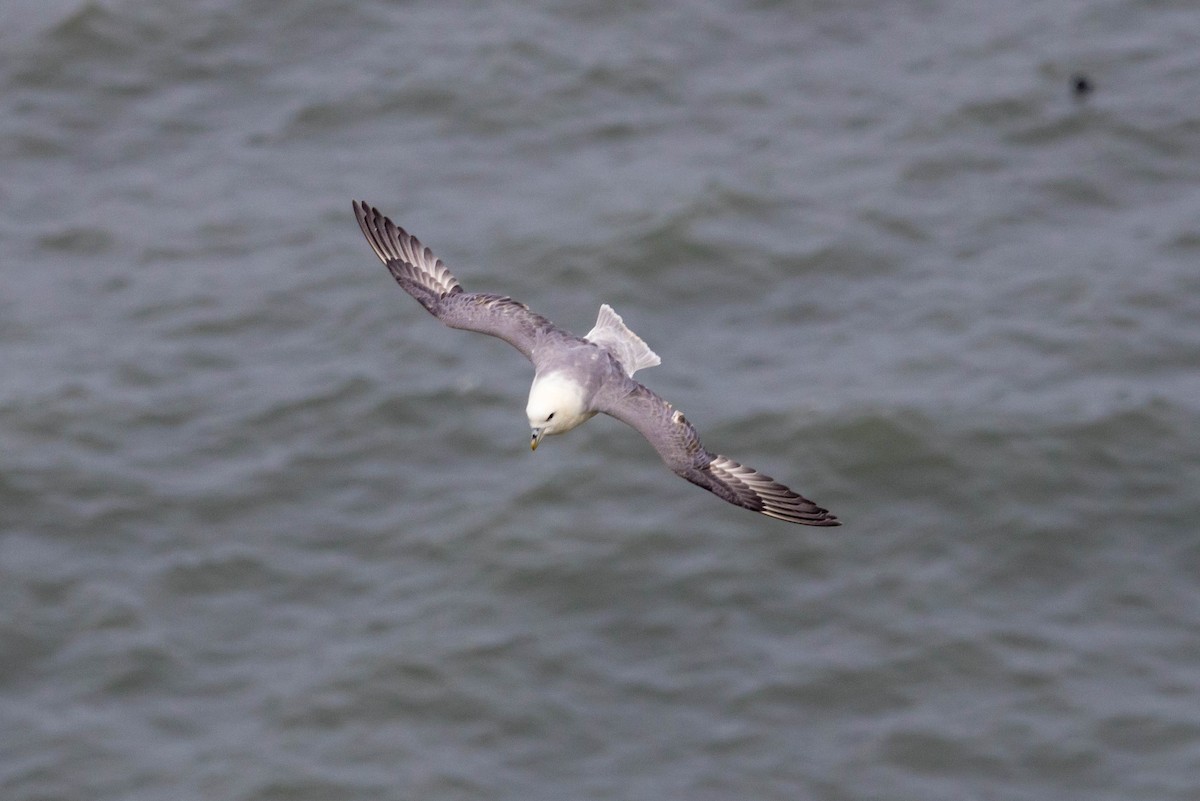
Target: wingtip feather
column 761, row 493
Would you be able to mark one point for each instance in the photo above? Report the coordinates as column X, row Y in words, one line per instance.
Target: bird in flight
column 577, row 377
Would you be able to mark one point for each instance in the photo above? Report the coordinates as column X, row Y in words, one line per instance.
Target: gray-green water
column 268, row 531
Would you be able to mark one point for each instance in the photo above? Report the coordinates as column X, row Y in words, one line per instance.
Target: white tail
column 612, row 334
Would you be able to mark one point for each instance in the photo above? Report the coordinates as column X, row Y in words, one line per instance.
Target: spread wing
column 679, row 446
column 428, row 280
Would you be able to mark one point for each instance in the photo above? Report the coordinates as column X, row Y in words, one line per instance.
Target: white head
column 555, row 406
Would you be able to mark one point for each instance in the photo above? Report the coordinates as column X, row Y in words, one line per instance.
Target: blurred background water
column 268, row 531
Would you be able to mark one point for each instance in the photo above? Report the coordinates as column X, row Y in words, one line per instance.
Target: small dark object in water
column 1081, row 85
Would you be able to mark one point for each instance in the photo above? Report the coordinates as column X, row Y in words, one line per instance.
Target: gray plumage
column 578, row 377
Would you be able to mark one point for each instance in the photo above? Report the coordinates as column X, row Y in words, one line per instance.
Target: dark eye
column 551, row 417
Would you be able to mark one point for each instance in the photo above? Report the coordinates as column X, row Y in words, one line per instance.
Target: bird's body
column 576, row 378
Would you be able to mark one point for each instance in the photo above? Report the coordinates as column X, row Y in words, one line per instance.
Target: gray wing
column 679, row 446
column 428, row 280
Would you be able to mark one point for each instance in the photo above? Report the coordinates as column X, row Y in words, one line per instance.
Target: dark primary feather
column 751, row 489
column 679, row 445
column 427, row 279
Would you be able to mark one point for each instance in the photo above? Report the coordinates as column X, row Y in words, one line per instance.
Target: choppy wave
column 268, row 531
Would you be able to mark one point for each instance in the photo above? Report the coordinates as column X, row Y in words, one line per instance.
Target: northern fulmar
column 576, row 377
